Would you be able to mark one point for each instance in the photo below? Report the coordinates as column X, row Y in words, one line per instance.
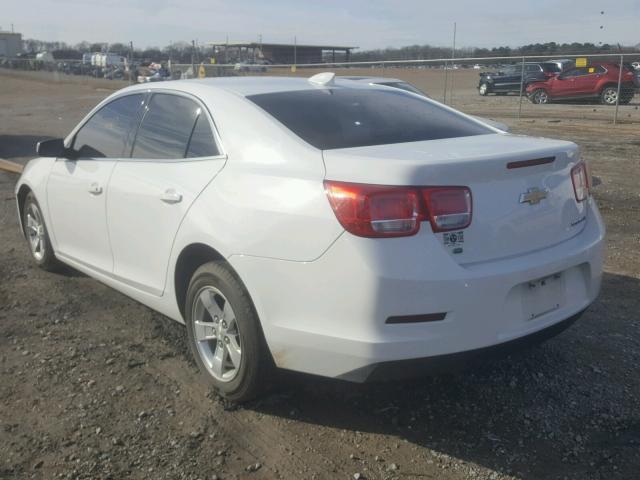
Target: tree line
column 181, row 52
column 426, row 52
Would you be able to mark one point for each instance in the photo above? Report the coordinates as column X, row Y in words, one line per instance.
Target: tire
column 37, row 235
column 609, row 95
column 224, row 334
column 483, row 89
column 539, row 97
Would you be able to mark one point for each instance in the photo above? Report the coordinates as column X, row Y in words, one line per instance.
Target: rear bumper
column 329, row 317
column 453, row 362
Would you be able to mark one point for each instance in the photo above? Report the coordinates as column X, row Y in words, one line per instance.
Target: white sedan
column 323, row 225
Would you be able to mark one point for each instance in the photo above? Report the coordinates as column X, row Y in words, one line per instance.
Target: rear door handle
column 171, row 196
column 95, row 189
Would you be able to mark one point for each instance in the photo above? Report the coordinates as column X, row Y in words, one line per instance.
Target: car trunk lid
column 523, row 198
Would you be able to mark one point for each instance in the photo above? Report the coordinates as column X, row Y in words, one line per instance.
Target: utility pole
column 193, row 58
column 12, row 31
column 295, row 50
column 453, row 56
column 131, row 62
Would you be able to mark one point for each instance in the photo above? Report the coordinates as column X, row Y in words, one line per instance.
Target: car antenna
column 323, row 79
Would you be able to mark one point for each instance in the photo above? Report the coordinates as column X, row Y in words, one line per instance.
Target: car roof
column 246, row 86
column 372, row 79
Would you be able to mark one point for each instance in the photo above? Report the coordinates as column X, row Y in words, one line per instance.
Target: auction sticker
column 453, row 239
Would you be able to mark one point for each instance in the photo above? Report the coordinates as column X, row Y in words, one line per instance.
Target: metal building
column 10, row 44
column 279, row 53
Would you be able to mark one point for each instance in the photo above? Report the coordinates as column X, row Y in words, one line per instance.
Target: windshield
column 350, row 117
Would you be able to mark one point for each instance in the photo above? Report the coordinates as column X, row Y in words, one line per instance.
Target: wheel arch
column 21, row 196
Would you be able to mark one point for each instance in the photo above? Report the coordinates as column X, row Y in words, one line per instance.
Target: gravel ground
column 96, row 386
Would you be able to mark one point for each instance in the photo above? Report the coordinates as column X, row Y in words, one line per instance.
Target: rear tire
column 37, row 235
column 609, row 95
column 224, row 333
column 539, row 97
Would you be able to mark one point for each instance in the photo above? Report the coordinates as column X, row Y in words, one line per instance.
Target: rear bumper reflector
column 531, row 163
column 427, row 317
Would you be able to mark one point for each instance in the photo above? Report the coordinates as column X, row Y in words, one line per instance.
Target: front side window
column 170, row 123
column 354, row 117
column 107, row 131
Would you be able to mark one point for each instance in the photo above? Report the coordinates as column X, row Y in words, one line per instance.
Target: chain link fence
column 602, row 88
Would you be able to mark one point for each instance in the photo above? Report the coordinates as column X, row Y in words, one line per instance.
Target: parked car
column 257, row 66
column 598, row 81
column 406, row 86
column 508, row 79
column 318, row 225
column 563, row 63
column 159, row 74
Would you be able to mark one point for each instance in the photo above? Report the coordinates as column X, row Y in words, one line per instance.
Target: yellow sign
column 293, row 69
column 592, row 69
column 212, row 60
column 202, row 72
column 581, row 62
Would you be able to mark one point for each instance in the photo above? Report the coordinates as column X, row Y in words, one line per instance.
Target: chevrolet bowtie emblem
column 533, row 196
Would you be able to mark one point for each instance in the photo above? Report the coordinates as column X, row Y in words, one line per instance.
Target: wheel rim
column 542, row 97
column 217, row 334
column 610, row 96
column 483, row 89
column 35, row 231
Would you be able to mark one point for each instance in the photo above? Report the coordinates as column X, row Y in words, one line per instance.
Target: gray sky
column 367, row 24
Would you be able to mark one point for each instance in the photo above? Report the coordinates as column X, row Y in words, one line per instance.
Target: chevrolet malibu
column 319, row 225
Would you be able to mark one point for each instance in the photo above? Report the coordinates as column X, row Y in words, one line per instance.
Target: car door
column 77, row 186
column 174, row 155
column 587, row 83
column 565, row 85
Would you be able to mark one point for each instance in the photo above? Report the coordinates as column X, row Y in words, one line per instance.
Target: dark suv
column 508, row 78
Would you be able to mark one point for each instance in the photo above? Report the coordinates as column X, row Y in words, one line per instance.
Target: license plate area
column 543, row 295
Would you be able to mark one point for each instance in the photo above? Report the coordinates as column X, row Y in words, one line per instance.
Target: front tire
column 37, row 235
column 483, row 89
column 224, row 334
column 539, row 97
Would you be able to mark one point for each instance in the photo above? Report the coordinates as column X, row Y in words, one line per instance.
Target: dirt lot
column 95, row 385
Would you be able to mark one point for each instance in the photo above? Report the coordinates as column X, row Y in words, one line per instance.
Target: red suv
column 599, row 80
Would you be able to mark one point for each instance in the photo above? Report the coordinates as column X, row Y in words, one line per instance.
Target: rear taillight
column 581, row 183
column 449, row 208
column 390, row 211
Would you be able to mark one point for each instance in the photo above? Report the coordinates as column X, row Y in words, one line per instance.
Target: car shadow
column 567, row 408
column 16, row 147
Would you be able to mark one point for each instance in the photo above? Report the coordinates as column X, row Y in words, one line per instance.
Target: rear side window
column 202, row 143
column 352, row 117
column 167, row 128
column 106, row 132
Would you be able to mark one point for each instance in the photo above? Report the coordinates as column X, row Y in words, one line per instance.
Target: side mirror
column 51, row 148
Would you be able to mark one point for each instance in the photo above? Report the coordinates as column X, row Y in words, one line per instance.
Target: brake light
column 449, row 208
column 581, row 182
column 390, row 211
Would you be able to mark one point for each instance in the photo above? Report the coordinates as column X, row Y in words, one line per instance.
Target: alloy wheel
column 217, row 334
column 35, row 232
column 610, row 96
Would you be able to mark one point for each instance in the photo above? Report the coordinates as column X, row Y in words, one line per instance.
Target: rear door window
column 107, row 131
column 202, row 143
column 167, row 129
column 353, row 117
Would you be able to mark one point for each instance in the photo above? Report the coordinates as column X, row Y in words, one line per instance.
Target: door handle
column 171, row 196
column 95, row 189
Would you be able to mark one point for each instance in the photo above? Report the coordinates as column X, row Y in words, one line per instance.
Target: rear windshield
column 351, row 117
